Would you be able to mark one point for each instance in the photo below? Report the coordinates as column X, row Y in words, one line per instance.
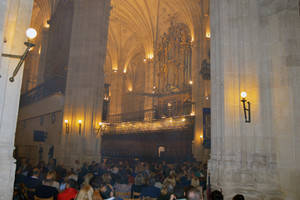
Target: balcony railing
column 152, row 114
column 171, row 123
column 42, row 91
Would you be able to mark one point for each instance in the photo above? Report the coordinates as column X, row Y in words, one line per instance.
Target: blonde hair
column 85, row 193
column 51, row 175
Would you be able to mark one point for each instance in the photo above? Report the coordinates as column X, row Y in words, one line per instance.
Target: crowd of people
column 110, row 180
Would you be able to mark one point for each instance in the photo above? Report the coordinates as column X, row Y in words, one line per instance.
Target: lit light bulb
column 207, row 34
column 201, row 136
column 66, row 121
column 79, row 121
column 183, row 119
column 191, row 82
column 31, row 33
column 100, row 123
column 192, row 113
column 243, row 94
column 150, row 56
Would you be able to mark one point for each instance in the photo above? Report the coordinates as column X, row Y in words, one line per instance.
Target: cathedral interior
column 209, row 81
column 153, row 83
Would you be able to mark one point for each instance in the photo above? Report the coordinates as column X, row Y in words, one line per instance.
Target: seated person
column 122, row 187
column 107, row 192
column 51, row 180
column 45, row 191
column 166, row 191
column 150, row 190
column 86, row 192
column 179, row 193
column 32, row 183
column 70, row 192
column 96, row 185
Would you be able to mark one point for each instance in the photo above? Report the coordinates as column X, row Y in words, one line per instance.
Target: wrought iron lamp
column 31, row 34
column 79, row 123
column 67, row 126
column 247, row 110
column 102, row 127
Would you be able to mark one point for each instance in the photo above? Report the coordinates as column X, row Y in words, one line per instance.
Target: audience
column 111, row 180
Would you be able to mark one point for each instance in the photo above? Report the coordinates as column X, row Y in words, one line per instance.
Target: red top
column 68, row 194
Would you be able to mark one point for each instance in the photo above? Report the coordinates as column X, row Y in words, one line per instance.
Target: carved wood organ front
column 173, row 67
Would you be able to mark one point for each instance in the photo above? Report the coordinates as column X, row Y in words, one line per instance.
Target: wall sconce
column 79, row 123
column 102, row 127
column 67, row 126
column 247, row 111
column 31, row 34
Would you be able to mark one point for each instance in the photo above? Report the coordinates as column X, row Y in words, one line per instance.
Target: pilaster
column 14, row 20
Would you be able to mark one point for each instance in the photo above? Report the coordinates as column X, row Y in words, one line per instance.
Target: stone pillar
column 148, row 105
column 200, row 87
column 85, row 81
column 117, row 93
column 14, row 20
column 197, row 93
column 249, row 52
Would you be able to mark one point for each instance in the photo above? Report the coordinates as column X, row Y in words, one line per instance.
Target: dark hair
column 96, row 182
column 179, row 192
column 36, row 172
column 72, row 183
column 105, row 191
column 216, row 195
column 238, row 197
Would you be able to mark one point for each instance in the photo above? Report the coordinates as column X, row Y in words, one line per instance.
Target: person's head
column 167, row 189
column 71, row 183
column 194, row 194
column 35, row 172
column 106, row 178
column 216, row 195
column 106, row 191
column 151, row 181
column 179, row 192
column 51, row 175
column 238, row 197
column 96, row 182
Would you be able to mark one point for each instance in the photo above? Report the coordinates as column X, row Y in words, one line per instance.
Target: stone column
column 117, row 93
column 249, row 53
column 85, row 81
column 200, row 87
column 148, row 105
column 14, row 20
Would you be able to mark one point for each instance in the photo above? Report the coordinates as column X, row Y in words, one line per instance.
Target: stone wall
column 255, row 48
column 14, row 20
